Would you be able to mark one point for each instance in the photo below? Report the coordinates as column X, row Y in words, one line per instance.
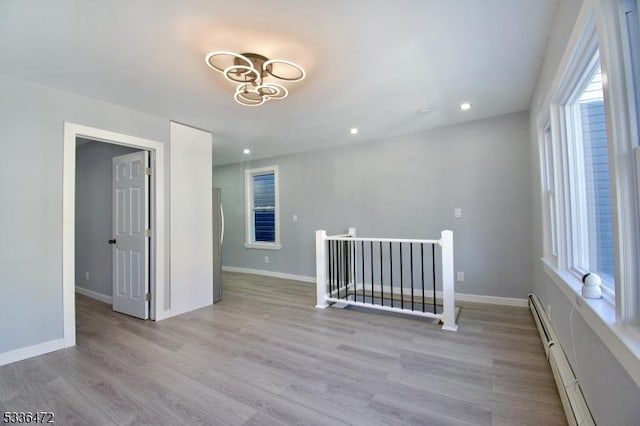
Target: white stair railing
column 360, row 272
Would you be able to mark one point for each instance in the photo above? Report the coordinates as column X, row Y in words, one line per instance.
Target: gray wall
column 94, row 215
column 404, row 187
column 31, row 137
column 610, row 392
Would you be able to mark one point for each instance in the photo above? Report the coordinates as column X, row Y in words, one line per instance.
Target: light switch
column 295, row 217
column 457, row 212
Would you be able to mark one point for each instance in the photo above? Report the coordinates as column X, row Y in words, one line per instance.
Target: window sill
column 600, row 314
column 263, row 246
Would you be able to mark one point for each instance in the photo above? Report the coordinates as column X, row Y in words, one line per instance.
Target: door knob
column 112, row 241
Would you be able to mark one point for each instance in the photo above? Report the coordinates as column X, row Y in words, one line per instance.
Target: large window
column 589, row 127
column 591, row 222
column 588, row 130
column 262, row 227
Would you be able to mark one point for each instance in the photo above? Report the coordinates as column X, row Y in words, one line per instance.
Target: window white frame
column 249, row 221
column 548, row 156
column 568, row 191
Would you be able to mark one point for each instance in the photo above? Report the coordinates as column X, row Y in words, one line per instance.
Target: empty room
column 296, row 213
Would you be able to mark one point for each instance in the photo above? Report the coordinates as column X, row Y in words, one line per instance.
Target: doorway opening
column 151, row 153
column 112, row 225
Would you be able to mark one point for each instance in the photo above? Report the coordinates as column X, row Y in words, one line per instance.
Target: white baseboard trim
column 273, row 274
column 163, row 315
column 95, row 295
column 31, row 351
column 492, row 300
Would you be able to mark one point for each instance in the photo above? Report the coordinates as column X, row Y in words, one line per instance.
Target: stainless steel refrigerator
column 218, row 238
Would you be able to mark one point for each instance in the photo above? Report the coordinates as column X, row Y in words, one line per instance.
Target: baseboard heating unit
column 575, row 406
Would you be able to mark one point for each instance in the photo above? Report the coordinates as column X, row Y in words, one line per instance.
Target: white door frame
column 157, row 279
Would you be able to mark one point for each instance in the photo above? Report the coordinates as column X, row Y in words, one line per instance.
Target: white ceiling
column 370, row 64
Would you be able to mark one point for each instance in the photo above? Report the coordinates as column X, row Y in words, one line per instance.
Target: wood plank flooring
column 265, row 356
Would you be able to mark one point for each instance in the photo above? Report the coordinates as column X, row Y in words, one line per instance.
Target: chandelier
column 257, row 76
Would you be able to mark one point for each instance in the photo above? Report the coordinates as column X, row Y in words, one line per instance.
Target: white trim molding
column 94, row 295
column 31, row 351
column 71, row 132
column 491, row 300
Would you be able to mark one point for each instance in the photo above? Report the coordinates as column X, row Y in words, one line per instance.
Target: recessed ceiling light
column 246, row 151
column 465, row 106
column 354, row 131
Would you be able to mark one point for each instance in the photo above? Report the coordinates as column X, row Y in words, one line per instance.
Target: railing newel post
column 448, row 289
column 321, row 269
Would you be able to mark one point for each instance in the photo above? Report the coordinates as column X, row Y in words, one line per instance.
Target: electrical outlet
column 457, row 212
column 266, row 259
column 86, row 275
column 295, row 217
column 460, row 276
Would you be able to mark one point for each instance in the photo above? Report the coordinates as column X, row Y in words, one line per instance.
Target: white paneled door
column 130, row 241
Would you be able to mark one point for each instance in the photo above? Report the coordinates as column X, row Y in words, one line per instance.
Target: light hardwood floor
column 265, row 356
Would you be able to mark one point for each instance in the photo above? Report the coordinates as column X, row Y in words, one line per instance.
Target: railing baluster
column 345, row 259
column 364, row 299
column 422, row 269
column 371, row 259
column 401, row 280
column 391, row 270
column 411, row 255
column 433, row 267
column 330, row 267
column 382, row 279
column 339, row 267
column 337, row 255
column 347, row 264
column 352, row 271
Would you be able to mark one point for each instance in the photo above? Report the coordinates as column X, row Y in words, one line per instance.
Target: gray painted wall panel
column 94, row 215
column 404, row 187
column 31, row 136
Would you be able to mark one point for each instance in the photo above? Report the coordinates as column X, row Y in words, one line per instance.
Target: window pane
column 548, row 152
column 553, row 225
column 264, row 201
column 550, row 190
column 264, row 191
column 596, row 178
column 265, row 226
